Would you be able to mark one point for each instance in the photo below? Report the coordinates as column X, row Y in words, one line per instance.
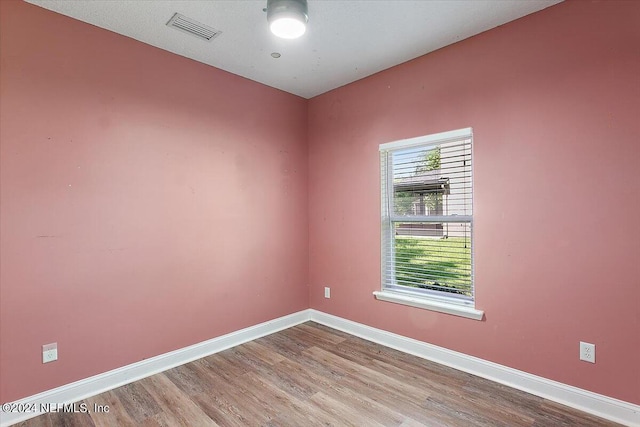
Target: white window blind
column 427, row 216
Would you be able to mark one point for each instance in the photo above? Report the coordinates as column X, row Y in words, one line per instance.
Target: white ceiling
column 345, row 40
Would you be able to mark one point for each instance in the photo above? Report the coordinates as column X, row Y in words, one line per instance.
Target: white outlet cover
column 588, row 352
column 327, row 292
column 49, row 352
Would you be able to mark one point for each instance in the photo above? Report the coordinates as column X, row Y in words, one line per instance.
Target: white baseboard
column 97, row 384
column 593, row 403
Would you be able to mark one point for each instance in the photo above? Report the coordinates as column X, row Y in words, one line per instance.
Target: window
column 427, row 220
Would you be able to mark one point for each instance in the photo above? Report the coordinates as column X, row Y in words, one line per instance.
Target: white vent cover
column 188, row 25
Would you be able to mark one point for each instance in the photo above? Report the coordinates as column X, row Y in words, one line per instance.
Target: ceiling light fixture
column 287, row 18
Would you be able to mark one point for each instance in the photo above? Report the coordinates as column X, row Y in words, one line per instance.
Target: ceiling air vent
column 188, row 25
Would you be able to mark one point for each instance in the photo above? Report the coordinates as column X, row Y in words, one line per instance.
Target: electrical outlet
column 49, row 352
column 587, row 352
column 327, row 292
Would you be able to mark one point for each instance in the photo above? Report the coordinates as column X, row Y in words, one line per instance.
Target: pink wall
column 148, row 202
column 554, row 101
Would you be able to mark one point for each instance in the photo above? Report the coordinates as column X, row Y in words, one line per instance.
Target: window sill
column 427, row 304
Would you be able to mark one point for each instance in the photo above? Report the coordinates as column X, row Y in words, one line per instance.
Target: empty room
column 315, row 212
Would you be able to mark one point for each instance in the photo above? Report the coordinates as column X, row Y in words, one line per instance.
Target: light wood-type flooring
column 312, row 375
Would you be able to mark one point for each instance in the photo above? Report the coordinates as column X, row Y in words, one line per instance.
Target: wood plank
column 331, row 335
column 366, row 376
column 345, row 414
column 71, row 419
column 137, row 402
column 285, row 408
column 224, row 402
column 178, row 408
column 39, row 421
column 117, row 414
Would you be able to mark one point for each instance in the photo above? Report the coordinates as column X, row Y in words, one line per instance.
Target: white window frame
column 430, row 300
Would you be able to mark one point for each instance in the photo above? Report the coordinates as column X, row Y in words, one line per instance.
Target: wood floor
column 313, row 375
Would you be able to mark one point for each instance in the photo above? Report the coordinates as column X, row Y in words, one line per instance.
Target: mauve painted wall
column 148, row 202
column 554, row 101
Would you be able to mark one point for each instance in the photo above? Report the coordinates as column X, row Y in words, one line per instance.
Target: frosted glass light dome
column 288, row 28
column 287, row 18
